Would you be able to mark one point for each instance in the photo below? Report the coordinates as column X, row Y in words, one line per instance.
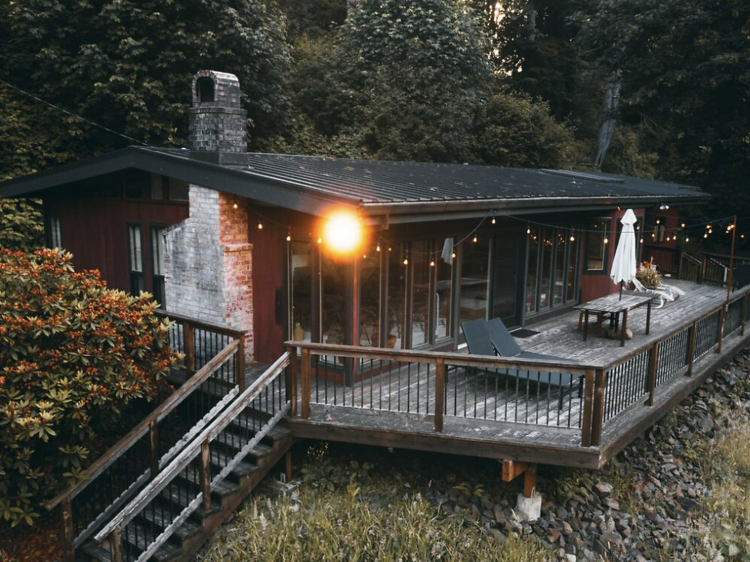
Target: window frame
column 607, row 233
column 54, row 232
column 157, row 229
column 134, row 274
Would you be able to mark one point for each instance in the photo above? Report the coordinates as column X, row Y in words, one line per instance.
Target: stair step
column 95, row 551
column 183, row 500
column 242, row 469
column 222, row 488
column 158, row 514
column 141, row 537
column 236, row 442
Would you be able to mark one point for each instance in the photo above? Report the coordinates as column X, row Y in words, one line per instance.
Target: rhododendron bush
column 73, row 355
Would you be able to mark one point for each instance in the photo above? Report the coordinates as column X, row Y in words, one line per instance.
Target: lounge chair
column 479, row 342
column 505, row 344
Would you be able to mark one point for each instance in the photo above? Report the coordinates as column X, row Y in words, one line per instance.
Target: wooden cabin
column 344, row 284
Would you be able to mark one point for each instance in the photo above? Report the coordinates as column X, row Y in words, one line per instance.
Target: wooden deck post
column 205, row 475
column 597, row 419
column 69, row 549
column 691, row 348
column 588, row 400
column 439, row 394
column 291, row 380
column 288, row 466
column 305, row 374
column 153, row 447
column 653, row 362
column 115, row 545
column 187, row 333
column 722, row 319
column 744, row 314
column 239, row 364
column 529, row 482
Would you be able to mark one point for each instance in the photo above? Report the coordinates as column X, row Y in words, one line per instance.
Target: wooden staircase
column 160, row 492
column 226, row 496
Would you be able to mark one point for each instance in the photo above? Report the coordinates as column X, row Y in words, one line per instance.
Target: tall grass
column 351, row 514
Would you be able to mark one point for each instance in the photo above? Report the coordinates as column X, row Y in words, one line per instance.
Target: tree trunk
column 607, row 130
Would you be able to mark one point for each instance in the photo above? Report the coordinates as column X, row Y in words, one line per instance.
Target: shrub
column 72, row 354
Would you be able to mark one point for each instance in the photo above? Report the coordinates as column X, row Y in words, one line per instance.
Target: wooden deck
column 498, row 409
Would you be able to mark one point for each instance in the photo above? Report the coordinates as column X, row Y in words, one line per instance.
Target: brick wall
column 208, row 262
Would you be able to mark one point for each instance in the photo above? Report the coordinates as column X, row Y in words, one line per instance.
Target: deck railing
column 440, row 385
column 635, row 379
column 213, row 375
column 436, row 385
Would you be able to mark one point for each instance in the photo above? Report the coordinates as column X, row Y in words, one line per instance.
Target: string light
column 320, row 240
column 606, row 240
column 658, row 221
column 705, row 235
column 475, row 240
column 260, row 226
column 390, row 249
column 683, row 225
column 406, row 261
column 288, row 237
column 377, row 248
column 641, row 240
column 528, row 230
column 493, row 221
column 235, row 206
column 432, row 263
column 572, row 238
column 742, row 235
column 687, row 239
column 453, row 255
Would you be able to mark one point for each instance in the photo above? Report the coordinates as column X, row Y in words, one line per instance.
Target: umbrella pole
column 621, row 290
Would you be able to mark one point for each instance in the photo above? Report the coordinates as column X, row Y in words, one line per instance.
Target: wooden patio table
column 613, row 306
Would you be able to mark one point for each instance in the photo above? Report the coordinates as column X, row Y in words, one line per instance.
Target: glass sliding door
column 475, row 267
column 398, row 268
column 558, row 289
column 444, row 265
column 532, row 270
column 422, row 289
column 300, row 291
column 547, row 250
column 369, row 297
column 333, row 306
column 507, row 273
column 571, row 276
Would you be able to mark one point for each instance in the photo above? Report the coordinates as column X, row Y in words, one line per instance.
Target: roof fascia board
column 238, row 182
column 538, row 204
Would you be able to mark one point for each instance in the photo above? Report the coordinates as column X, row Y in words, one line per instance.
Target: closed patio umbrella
column 624, row 265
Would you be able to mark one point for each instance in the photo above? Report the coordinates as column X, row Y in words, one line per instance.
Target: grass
column 353, row 512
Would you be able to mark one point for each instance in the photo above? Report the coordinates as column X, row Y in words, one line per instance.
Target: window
column 55, row 232
column 157, row 264
column 475, row 267
column 660, row 229
column 597, row 240
column 333, row 286
column 135, row 258
column 159, row 186
column 204, row 89
column 552, row 271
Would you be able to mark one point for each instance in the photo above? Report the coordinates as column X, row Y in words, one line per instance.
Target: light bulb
column 432, row 263
column 260, row 226
column 641, row 240
column 453, row 255
column 606, row 240
column 377, row 248
column 572, row 238
column 235, row 206
column 705, row 235
column 528, row 230
column 475, row 240
column 320, row 240
column 493, row 221
column 658, row 221
column 288, row 237
column 682, row 225
column 406, row 261
column 687, row 239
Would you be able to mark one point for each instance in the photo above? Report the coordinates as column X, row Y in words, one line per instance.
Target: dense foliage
column 518, row 82
column 72, row 354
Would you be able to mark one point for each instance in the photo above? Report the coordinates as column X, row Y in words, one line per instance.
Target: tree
column 73, row 355
column 128, row 65
column 685, row 85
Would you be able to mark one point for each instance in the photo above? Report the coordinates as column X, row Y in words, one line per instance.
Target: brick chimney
column 208, row 257
column 218, row 125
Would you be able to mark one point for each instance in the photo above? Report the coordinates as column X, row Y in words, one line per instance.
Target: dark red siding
column 94, row 230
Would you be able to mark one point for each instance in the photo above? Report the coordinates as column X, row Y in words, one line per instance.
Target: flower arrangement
column 648, row 275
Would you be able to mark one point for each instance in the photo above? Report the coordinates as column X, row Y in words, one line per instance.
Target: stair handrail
column 198, row 446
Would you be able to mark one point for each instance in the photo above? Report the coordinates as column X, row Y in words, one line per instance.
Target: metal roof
column 313, row 183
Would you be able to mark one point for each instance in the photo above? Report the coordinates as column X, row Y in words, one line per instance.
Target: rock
column 603, row 489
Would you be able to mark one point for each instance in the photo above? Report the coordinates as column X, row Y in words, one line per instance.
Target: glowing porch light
column 343, row 232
